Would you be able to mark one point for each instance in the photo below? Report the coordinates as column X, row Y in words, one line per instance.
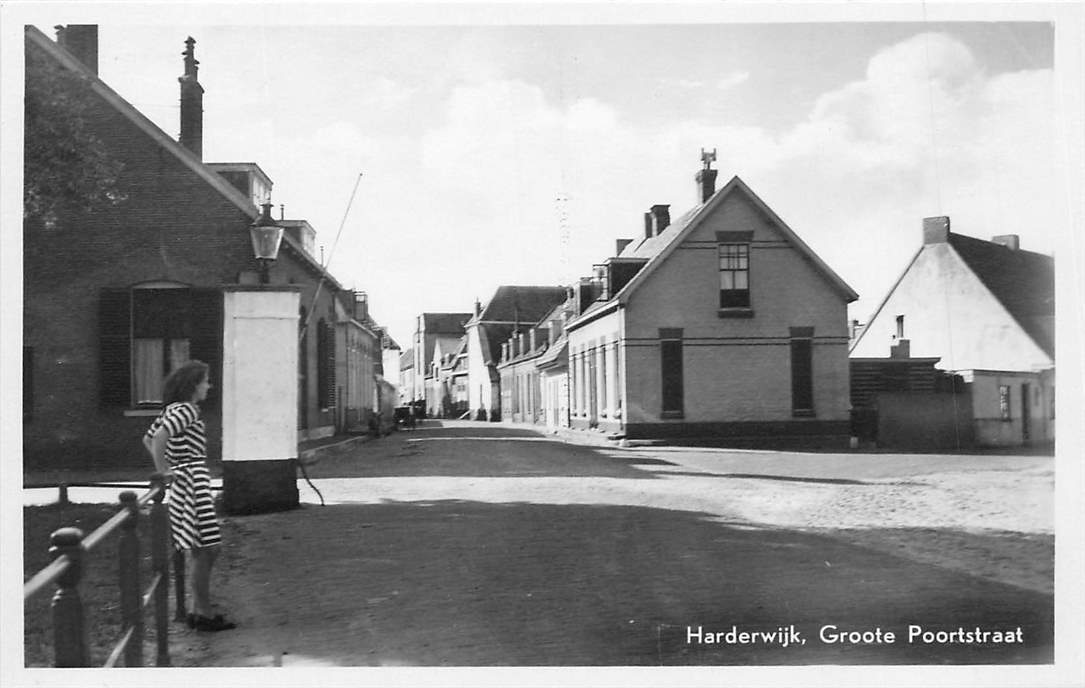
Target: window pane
column 179, row 353
column 727, row 280
column 742, row 280
column 147, row 370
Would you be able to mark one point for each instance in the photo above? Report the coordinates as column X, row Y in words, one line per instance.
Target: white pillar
column 260, row 398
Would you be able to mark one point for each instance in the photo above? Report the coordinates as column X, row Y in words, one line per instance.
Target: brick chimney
column 1010, row 241
column 191, row 102
column 81, row 40
column 620, row 245
column 706, row 177
column 361, row 305
column 935, row 230
column 656, row 220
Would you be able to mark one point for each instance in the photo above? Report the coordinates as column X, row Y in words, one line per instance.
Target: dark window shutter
column 114, row 347
column 205, row 337
column 802, row 375
column 329, row 363
column 671, row 364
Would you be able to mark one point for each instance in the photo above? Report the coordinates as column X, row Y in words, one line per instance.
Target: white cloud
column 732, row 80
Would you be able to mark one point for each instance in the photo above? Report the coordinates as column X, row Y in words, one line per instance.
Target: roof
column 444, row 323
column 406, row 359
column 556, row 355
column 185, row 156
column 520, row 304
column 1022, row 281
column 446, row 344
column 657, row 248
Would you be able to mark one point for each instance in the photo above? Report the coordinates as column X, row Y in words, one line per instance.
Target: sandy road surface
column 430, row 535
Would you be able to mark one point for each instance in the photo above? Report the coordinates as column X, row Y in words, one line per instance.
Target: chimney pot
column 936, row 230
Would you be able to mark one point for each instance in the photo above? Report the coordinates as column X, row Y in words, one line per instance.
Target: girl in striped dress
column 177, row 443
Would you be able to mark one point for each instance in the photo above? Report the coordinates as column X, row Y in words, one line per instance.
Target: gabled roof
column 1022, row 281
column 445, row 323
column 406, row 359
column 657, row 248
column 556, row 354
column 520, row 304
column 185, row 156
column 444, row 345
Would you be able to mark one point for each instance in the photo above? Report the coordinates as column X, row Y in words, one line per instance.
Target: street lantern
column 266, row 238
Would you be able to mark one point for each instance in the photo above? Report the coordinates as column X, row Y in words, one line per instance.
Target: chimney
column 935, row 230
column 620, row 245
column 661, row 218
column 531, row 340
column 191, row 102
column 902, row 349
column 81, row 40
column 1010, row 241
column 504, row 351
column 478, row 308
column 361, row 305
column 706, row 177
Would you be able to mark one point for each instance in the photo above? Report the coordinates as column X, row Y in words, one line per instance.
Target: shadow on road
column 476, row 584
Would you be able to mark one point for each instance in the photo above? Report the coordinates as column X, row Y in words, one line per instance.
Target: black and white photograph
column 529, row 344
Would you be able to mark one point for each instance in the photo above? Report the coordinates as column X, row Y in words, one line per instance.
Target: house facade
column 722, row 324
column 117, row 296
column 511, row 309
column 428, row 328
column 985, row 309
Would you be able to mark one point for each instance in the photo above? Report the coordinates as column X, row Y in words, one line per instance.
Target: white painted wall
column 259, row 375
column 949, row 313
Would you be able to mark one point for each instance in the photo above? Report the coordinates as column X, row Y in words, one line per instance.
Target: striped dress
column 191, row 505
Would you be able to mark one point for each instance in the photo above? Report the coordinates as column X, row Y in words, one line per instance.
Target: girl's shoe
column 215, row 623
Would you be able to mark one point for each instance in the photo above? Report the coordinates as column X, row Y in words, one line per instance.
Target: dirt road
column 481, row 545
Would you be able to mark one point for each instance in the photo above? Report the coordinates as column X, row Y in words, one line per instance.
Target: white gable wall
column 949, row 313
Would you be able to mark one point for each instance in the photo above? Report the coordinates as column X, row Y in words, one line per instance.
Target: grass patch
column 99, row 587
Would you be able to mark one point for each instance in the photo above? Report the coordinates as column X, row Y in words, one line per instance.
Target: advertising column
column 260, row 399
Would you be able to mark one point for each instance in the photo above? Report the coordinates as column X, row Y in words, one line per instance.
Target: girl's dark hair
column 181, row 384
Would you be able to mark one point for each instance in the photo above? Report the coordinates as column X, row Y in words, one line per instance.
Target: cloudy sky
column 466, row 136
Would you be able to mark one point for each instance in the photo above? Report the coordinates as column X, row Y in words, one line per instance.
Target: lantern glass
column 266, row 241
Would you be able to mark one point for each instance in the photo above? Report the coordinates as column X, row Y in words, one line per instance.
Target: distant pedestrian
column 411, row 417
column 177, row 443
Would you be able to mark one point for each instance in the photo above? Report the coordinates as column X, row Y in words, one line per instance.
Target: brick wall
column 174, row 226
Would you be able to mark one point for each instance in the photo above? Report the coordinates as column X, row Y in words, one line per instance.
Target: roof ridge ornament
column 708, row 158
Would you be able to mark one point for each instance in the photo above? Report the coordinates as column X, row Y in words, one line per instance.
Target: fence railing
column 69, row 550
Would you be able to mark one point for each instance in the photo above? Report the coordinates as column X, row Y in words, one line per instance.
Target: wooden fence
column 69, row 549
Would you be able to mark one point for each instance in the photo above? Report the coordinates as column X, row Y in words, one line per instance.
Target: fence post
column 69, row 631
column 128, row 556
column 179, row 585
column 160, row 542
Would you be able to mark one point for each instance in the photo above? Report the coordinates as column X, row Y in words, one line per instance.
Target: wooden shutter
column 671, row 364
column 204, row 329
column 329, row 363
column 802, row 375
column 114, row 347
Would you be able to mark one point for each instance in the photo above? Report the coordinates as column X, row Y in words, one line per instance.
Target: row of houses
column 723, row 325
column 118, row 294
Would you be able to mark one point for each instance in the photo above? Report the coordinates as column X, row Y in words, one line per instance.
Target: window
column 1004, row 402
column 734, row 275
column 802, row 371
column 147, row 331
column 670, row 363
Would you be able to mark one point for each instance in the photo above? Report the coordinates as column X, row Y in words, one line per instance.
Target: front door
column 1026, row 400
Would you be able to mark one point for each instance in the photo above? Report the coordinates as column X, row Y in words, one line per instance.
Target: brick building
column 722, row 324
column 117, row 296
